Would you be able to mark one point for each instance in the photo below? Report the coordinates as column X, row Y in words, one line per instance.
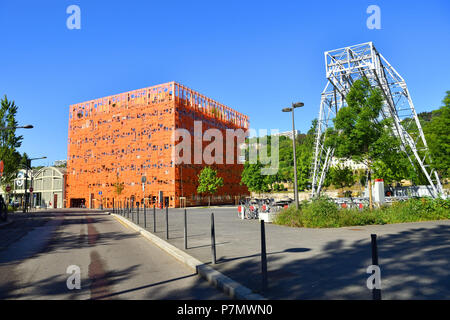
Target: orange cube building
column 121, row 149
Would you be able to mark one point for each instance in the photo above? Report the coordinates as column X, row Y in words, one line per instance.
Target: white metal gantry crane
column 343, row 67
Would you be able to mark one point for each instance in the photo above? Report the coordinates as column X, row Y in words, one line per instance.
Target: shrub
column 320, row 213
column 289, row 217
column 324, row 213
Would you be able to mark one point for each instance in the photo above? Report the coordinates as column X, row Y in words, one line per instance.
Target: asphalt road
column 325, row 264
column 114, row 261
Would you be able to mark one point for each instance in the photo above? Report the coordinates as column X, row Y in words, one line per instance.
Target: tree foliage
column 208, row 182
column 256, row 182
column 118, row 186
column 361, row 135
column 341, row 176
column 9, row 141
column 253, row 179
column 437, row 133
column 358, row 133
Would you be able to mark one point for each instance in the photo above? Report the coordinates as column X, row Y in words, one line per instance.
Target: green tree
column 393, row 166
column 304, row 159
column 341, row 176
column 118, row 186
column 358, row 134
column 24, row 161
column 253, row 179
column 9, row 141
column 437, row 133
column 209, row 182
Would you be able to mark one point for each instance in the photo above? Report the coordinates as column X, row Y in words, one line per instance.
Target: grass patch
column 324, row 213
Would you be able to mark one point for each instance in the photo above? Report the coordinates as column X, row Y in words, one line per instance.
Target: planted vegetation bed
column 324, row 213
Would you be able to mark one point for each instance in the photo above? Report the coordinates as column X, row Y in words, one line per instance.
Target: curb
column 230, row 287
column 7, row 223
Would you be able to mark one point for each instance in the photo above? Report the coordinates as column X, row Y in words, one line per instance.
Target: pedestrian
column 3, row 209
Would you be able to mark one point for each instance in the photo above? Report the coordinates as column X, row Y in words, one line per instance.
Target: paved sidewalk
column 317, row 263
column 114, row 262
column 19, row 224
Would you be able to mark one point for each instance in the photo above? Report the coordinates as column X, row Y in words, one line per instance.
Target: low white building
column 286, row 134
column 347, row 163
column 46, row 188
column 49, row 187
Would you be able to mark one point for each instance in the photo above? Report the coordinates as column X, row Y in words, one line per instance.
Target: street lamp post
column 28, row 126
column 294, row 105
column 143, row 181
column 28, row 167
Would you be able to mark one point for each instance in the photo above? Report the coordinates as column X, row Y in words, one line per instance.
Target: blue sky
column 254, row 56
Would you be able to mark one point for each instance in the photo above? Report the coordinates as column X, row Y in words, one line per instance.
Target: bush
column 289, row 217
column 324, row 213
column 413, row 210
column 320, row 213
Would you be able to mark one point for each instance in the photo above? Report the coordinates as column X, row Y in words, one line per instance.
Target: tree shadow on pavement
column 55, row 287
column 414, row 265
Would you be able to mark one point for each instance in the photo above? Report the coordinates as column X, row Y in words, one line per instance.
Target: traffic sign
column 100, row 193
column 8, row 188
column 31, row 189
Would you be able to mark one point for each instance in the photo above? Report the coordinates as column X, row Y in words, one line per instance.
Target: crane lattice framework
column 343, row 67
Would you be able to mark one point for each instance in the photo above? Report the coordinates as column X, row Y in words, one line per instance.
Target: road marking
column 122, row 223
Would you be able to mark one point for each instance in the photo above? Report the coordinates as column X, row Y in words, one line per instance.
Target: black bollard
column 185, row 229
column 145, row 218
column 154, row 218
column 137, row 209
column 213, row 240
column 376, row 293
column 263, row 257
column 167, row 223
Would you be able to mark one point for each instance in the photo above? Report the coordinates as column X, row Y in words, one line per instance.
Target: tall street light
column 294, row 105
column 28, row 126
column 28, row 167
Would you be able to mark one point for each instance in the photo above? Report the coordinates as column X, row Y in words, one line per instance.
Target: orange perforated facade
column 118, row 139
